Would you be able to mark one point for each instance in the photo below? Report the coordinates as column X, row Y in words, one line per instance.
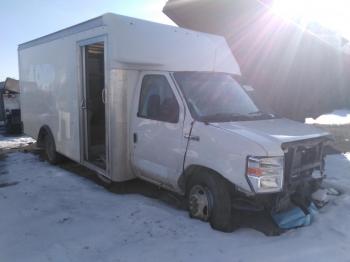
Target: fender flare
column 193, row 169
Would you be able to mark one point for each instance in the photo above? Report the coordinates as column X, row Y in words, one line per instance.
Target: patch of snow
column 49, row 214
column 12, row 142
column 337, row 117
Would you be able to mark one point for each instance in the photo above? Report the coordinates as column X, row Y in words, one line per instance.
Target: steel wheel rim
column 200, row 202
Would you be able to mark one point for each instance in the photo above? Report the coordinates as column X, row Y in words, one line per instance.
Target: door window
column 157, row 100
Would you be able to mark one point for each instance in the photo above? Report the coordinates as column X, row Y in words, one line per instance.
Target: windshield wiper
column 257, row 113
column 224, row 117
column 261, row 114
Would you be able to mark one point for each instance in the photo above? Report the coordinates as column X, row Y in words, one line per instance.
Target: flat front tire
column 209, row 199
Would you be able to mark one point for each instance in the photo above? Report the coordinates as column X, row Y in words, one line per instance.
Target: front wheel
column 209, row 199
column 52, row 156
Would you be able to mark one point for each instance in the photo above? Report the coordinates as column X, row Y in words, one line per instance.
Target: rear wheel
column 50, row 150
column 209, row 199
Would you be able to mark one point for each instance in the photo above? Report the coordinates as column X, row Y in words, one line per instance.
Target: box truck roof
column 138, row 44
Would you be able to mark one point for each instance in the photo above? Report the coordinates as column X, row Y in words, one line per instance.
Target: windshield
column 216, row 97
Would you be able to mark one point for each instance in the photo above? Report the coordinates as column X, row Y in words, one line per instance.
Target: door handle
column 104, row 95
column 135, row 138
column 194, row 138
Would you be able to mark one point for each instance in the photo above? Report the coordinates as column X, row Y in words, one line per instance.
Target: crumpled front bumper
column 303, row 175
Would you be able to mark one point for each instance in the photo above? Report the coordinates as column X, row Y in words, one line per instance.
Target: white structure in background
column 130, row 98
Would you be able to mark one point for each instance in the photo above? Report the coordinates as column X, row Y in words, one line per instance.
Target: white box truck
column 134, row 99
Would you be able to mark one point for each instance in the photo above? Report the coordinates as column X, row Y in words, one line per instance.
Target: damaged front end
column 303, row 173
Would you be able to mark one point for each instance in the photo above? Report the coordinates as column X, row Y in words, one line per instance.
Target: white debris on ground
column 49, row 214
column 337, row 117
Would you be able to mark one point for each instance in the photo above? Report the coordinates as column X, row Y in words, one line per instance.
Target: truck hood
column 272, row 133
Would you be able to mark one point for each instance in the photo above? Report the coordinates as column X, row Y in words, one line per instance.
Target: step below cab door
column 157, row 129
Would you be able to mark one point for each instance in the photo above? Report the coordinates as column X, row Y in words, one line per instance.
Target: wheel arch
column 195, row 169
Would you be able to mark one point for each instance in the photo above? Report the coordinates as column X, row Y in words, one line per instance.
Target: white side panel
column 50, row 86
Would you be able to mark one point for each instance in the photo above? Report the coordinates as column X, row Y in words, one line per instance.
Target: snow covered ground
column 50, row 214
column 337, row 117
column 336, row 123
column 12, row 142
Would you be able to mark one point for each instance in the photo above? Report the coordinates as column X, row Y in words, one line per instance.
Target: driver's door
column 158, row 141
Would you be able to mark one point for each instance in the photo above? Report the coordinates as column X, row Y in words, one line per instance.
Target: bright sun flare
column 334, row 14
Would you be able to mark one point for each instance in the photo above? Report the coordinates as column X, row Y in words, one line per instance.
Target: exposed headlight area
column 265, row 174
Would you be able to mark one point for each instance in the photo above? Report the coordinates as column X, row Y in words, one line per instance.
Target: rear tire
column 52, row 156
column 209, row 188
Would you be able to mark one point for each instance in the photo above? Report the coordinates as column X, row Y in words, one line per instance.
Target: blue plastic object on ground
column 313, row 210
column 295, row 217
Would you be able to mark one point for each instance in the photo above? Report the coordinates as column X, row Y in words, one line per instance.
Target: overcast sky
column 21, row 21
